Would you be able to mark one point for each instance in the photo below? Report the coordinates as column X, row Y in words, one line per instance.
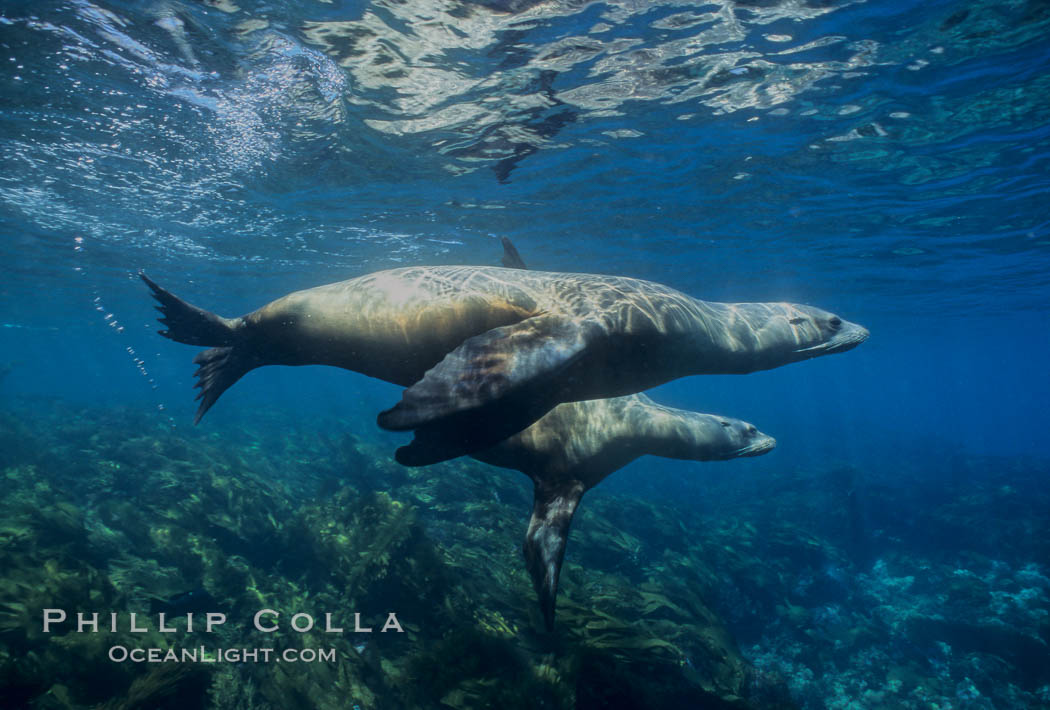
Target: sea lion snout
column 846, row 337
column 759, row 444
column 819, row 332
column 741, row 439
column 851, row 338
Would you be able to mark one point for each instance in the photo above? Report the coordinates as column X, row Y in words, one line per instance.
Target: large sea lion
column 576, row 445
column 486, row 351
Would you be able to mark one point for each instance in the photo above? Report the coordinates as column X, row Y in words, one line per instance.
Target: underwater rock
column 1029, row 655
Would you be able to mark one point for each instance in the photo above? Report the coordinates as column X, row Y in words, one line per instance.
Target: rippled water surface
column 893, row 150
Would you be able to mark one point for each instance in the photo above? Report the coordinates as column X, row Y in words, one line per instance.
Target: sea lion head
column 817, row 332
column 737, row 438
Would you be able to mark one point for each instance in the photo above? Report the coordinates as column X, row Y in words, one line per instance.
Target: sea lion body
column 576, row 445
column 397, row 324
column 589, row 440
column 486, row 351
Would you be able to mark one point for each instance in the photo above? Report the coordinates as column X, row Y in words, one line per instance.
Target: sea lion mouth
column 762, row 445
column 849, row 336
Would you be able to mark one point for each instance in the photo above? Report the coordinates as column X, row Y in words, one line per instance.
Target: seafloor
column 835, row 588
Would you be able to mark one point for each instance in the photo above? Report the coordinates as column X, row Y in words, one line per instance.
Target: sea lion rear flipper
column 219, row 367
column 217, row 370
column 189, row 324
column 511, row 258
column 545, row 540
column 490, row 387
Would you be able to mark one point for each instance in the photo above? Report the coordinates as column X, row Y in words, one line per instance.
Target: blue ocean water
column 882, row 160
column 887, row 161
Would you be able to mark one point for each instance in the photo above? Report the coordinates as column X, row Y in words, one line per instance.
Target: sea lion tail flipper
column 188, row 324
column 545, row 540
column 490, row 387
column 511, row 258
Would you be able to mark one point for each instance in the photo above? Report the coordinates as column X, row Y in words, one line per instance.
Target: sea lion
column 576, row 445
column 486, row 351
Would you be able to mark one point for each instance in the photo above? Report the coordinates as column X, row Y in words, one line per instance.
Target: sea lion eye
column 797, row 321
column 724, row 423
column 835, row 322
column 752, row 430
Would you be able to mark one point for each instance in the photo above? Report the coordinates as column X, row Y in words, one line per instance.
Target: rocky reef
column 832, row 589
column 893, row 589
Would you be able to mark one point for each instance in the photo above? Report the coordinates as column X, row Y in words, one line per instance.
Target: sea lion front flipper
column 490, row 387
column 545, row 540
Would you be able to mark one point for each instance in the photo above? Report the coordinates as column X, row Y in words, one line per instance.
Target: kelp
column 144, row 514
column 163, row 687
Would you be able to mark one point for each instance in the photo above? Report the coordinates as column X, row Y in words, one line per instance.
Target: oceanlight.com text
column 202, row 654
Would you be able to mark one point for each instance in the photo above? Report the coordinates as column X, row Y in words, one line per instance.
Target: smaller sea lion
column 576, row 445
